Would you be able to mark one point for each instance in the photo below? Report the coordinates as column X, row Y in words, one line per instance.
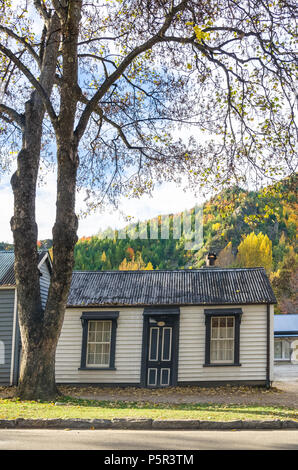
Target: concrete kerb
column 143, row 424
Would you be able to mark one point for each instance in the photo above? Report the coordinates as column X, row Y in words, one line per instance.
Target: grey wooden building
column 159, row 328
column 10, row 344
column 286, row 338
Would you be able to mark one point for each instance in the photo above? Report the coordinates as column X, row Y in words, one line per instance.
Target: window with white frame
column 222, row 339
column 281, row 349
column 99, row 343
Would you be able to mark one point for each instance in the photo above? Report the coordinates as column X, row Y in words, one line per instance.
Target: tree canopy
column 225, row 69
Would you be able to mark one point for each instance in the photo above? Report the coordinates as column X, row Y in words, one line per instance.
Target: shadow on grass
column 272, row 411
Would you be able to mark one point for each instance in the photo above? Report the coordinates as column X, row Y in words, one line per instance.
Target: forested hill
column 243, row 228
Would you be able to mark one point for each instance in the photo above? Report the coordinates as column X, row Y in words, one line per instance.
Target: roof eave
column 202, row 304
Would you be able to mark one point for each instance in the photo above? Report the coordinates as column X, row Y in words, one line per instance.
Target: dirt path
column 281, row 394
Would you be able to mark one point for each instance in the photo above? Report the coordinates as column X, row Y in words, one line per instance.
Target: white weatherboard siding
column 127, row 356
column 253, row 340
column 45, row 280
column 7, row 302
column 272, row 342
column 253, row 347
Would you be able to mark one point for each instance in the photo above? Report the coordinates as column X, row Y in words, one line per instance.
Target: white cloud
column 6, row 211
column 168, row 198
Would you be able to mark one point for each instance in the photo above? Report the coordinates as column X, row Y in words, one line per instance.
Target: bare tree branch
column 33, row 81
column 14, row 115
column 41, row 8
column 23, row 41
column 121, row 68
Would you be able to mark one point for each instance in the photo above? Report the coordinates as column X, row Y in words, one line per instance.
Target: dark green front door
column 160, row 358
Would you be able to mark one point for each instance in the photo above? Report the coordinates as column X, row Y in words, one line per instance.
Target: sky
column 167, row 198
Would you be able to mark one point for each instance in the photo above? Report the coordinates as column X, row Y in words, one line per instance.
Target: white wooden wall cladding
column 294, row 355
column 2, row 353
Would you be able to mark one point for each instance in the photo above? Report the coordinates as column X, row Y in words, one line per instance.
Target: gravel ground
column 281, row 394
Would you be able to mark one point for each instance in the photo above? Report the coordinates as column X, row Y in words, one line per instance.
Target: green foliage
column 285, row 283
column 255, row 250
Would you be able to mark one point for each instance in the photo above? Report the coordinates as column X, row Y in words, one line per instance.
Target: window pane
column 220, row 355
column 90, row 359
column 91, row 336
column 98, row 336
column 152, row 376
column 222, row 339
column 164, row 376
column 277, row 349
column 105, row 348
column 222, row 332
column 229, row 355
column 214, row 349
column 99, row 343
column 214, row 333
column 154, row 339
column 286, row 350
column 106, row 336
column 166, row 344
column 230, row 332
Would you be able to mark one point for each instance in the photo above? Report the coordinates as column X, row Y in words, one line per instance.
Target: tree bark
column 35, row 364
column 40, row 329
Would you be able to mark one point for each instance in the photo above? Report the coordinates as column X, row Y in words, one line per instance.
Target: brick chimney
column 210, row 259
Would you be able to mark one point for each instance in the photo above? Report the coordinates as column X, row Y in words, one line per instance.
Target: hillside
column 243, row 228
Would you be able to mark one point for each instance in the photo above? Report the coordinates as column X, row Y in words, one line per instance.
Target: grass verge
column 70, row 407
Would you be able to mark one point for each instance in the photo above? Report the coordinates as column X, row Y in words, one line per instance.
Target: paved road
column 41, row 439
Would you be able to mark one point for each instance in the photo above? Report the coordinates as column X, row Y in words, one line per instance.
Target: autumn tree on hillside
column 255, row 250
column 285, row 283
column 111, row 83
column 135, row 263
column 226, row 258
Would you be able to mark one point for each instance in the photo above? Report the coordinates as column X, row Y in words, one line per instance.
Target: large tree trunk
column 38, row 371
column 34, row 365
column 40, row 329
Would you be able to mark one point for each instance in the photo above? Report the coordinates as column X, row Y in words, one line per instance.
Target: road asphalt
column 45, row 439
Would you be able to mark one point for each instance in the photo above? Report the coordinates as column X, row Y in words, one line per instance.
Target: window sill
column 221, row 365
column 282, row 360
column 97, row 368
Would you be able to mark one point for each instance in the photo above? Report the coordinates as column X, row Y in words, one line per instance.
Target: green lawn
column 88, row 409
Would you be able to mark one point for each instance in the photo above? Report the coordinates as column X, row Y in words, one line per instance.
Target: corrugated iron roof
column 7, row 277
column 6, row 268
column 286, row 322
column 207, row 286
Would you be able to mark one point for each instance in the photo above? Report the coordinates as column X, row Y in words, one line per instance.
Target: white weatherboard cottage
column 160, row 328
column 152, row 328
